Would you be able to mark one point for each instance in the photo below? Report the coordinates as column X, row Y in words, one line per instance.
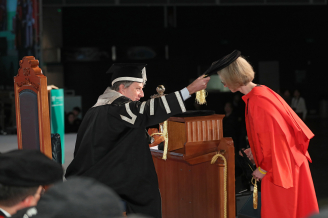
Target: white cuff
column 185, row 93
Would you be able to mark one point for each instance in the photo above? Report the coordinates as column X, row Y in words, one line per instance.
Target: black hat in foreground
column 135, row 72
column 28, row 168
column 222, row 63
column 77, row 197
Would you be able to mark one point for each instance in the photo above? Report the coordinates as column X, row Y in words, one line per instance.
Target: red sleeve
column 272, row 145
column 264, row 134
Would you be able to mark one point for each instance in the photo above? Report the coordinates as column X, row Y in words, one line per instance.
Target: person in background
column 70, row 125
column 22, row 175
column 77, row 111
column 286, row 96
column 73, row 122
column 298, row 105
column 278, row 140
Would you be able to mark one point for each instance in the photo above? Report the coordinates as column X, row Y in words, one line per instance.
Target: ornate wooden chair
column 32, row 107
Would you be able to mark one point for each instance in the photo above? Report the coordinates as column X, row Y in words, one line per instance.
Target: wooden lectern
column 32, row 107
column 190, row 185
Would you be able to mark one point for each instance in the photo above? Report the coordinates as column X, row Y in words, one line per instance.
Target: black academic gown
column 112, row 147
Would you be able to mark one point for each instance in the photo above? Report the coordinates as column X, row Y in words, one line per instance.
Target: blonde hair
column 237, row 74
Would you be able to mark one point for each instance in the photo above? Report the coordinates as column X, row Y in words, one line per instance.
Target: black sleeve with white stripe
column 153, row 111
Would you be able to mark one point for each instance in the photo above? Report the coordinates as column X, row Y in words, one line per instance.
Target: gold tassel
column 201, row 97
column 166, row 142
column 166, row 138
column 255, row 195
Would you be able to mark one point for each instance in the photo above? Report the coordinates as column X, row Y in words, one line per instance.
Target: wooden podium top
column 198, row 118
column 191, row 137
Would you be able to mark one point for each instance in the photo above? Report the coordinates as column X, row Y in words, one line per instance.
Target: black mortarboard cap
column 78, row 197
column 128, row 72
column 28, row 168
column 222, row 63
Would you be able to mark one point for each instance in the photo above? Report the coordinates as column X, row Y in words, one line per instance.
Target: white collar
column 108, row 97
column 5, row 212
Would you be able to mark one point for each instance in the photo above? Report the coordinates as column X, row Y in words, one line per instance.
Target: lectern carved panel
column 205, row 130
column 187, row 132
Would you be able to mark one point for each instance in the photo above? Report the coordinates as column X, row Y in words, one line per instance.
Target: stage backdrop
column 19, row 36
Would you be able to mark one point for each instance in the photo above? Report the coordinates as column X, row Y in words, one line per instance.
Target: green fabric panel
column 57, row 116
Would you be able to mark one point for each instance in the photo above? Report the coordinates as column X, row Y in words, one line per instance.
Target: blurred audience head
column 297, row 93
column 286, row 93
column 228, row 108
column 22, row 175
column 77, row 197
column 236, row 98
column 76, row 111
column 71, row 117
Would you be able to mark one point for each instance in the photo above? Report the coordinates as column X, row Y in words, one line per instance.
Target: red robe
column 279, row 140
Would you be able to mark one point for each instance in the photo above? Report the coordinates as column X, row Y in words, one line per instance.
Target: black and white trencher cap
column 135, row 72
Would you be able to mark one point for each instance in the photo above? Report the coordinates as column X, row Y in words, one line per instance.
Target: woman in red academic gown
column 279, row 142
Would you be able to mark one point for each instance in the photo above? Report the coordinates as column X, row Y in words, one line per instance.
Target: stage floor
column 9, row 142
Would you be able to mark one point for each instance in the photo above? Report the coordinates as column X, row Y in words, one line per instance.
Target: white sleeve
column 185, row 93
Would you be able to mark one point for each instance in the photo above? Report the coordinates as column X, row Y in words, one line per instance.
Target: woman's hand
column 258, row 175
column 249, row 154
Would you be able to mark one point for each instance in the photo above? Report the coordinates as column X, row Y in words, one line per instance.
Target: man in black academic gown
column 112, row 143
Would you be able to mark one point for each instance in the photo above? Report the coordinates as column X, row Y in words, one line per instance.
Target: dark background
column 293, row 35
